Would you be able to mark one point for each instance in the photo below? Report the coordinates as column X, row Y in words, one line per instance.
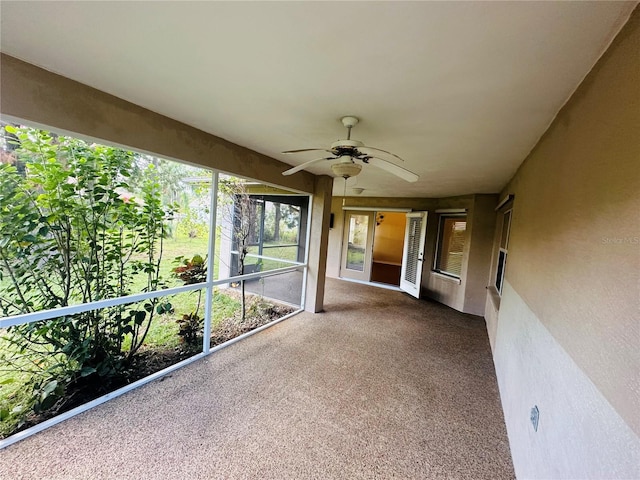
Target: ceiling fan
column 348, row 152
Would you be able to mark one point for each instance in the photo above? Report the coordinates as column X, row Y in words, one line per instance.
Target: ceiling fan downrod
column 349, row 122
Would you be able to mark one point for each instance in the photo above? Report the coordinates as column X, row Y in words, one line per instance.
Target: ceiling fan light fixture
column 346, row 170
column 346, row 151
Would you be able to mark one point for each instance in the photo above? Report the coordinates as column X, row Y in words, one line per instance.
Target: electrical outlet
column 535, row 416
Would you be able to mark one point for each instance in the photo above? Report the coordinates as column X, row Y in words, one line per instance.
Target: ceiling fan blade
column 293, row 170
column 364, row 150
column 392, row 168
column 307, row 150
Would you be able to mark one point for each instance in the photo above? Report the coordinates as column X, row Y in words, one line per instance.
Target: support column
column 318, row 243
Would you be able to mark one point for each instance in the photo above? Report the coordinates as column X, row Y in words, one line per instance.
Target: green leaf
column 47, row 401
column 29, row 238
column 7, row 381
column 10, row 129
column 50, row 387
column 86, row 371
column 139, row 317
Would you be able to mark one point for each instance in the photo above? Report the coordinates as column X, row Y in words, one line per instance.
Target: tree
column 245, row 225
column 9, row 143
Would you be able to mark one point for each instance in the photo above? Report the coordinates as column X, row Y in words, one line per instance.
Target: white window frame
column 436, row 257
column 503, row 251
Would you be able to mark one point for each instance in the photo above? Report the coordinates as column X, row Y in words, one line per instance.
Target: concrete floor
column 381, row 385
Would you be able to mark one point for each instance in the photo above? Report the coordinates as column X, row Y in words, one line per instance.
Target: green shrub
column 81, row 224
column 190, row 225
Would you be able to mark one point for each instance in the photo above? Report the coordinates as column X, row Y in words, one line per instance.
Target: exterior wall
column 579, row 434
column 466, row 295
column 42, row 98
column 566, row 335
column 481, row 222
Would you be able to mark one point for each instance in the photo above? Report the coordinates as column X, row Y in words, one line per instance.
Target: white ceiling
column 461, row 90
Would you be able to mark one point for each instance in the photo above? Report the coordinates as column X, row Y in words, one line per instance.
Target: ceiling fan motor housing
column 347, row 144
column 347, row 151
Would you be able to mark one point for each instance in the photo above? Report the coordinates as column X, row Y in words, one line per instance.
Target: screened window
column 451, row 240
column 502, row 254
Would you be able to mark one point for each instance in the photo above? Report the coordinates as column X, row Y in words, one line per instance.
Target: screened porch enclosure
column 276, row 231
column 143, row 251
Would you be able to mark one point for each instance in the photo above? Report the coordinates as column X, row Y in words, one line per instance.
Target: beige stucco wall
column 466, row 295
column 481, row 222
column 573, row 276
column 41, row 98
column 318, row 244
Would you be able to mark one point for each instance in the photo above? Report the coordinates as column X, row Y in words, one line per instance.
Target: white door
column 413, row 253
column 357, row 245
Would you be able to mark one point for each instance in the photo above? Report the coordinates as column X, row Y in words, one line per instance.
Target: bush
column 191, row 225
column 82, row 223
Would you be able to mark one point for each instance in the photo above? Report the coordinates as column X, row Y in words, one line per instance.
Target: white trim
column 345, row 271
column 452, row 210
column 376, row 209
column 504, row 201
column 208, row 307
column 85, row 307
column 372, row 284
column 413, row 288
column 252, row 276
column 305, row 271
column 504, row 250
column 264, row 257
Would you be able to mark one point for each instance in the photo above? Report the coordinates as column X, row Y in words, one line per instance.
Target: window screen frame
column 439, row 244
column 503, row 249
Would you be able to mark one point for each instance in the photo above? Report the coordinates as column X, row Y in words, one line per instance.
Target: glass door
column 357, row 245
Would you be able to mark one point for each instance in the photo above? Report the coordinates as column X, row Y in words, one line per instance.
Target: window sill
column 494, row 296
column 444, row 276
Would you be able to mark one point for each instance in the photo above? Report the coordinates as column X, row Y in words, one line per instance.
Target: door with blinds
column 413, row 254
